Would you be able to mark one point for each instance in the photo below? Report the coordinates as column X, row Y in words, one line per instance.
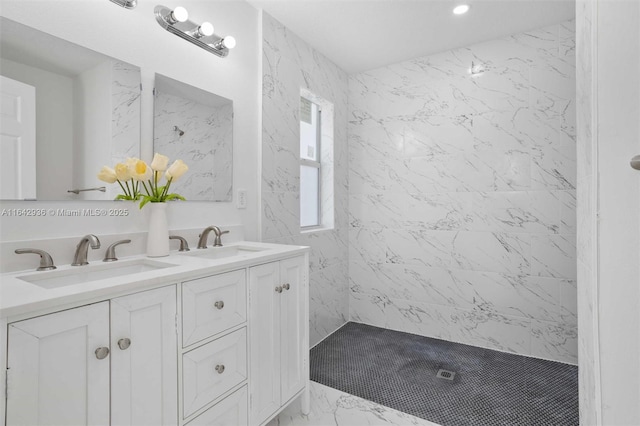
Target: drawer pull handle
column 286, row 286
column 279, row 289
column 219, row 304
column 220, row 368
column 124, row 343
column 102, row 353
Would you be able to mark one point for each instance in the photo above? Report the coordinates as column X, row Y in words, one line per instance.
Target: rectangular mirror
column 197, row 127
column 66, row 111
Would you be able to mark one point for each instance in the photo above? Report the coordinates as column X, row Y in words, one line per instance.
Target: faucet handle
column 184, row 245
column 46, row 262
column 110, row 255
column 218, row 241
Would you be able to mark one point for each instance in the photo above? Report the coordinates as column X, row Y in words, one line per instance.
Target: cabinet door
column 55, row 376
column 264, row 304
column 144, row 384
column 292, row 327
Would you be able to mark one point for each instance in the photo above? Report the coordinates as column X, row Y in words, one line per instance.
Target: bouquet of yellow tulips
column 135, row 173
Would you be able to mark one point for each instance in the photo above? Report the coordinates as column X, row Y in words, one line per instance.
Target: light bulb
column 179, row 14
column 460, row 10
column 204, row 30
column 229, row 42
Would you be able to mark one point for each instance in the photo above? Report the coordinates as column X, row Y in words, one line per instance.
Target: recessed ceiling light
column 462, row 9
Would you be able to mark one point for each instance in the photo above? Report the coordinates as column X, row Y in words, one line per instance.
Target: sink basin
column 84, row 274
column 224, row 252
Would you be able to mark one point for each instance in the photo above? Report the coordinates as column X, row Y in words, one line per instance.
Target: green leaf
column 144, row 201
column 174, row 196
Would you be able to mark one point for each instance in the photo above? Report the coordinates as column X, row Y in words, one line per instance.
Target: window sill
column 315, row 229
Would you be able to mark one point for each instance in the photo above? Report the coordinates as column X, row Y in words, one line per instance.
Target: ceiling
column 359, row 35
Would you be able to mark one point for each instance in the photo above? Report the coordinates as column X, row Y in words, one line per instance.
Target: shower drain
column 446, row 374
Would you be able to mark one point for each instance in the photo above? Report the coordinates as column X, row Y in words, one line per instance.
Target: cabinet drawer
column 213, row 304
column 231, row 411
column 211, row 370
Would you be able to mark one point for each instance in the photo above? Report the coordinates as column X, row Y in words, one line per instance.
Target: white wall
column 92, row 92
column 609, row 211
column 135, row 37
column 462, row 195
column 54, row 126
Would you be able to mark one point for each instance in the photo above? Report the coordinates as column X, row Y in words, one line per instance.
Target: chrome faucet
column 202, row 242
column 80, row 258
column 46, row 262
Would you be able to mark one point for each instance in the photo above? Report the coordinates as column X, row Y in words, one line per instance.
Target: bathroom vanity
column 212, row 336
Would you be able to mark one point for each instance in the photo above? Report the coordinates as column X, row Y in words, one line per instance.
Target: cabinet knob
column 279, row 289
column 102, row 353
column 220, row 368
column 124, row 343
column 219, row 304
column 286, row 286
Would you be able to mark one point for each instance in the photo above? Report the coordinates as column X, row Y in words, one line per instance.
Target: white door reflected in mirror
column 18, row 140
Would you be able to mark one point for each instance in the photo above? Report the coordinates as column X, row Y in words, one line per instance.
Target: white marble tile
column 418, row 247
column 517, row 212
column 367, row 245
column 553, row 256
column 473, row 327
column 280, row 214
column 280, row 167
column 512, row 295
column 554, row 341
column 332, row 407
column 569, row 302
column 490, row 160
column 397, row 210
column 492, row 251
column 206, row 145
column 290, row 65
column 328, row 300
column 411, row 282
column 568, row 212
column 329, row 248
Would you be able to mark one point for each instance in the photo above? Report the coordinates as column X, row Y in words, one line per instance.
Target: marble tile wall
column 586, row 217
column 125, row 117
column 206, row 145
column 462, row 195
column 289, row 65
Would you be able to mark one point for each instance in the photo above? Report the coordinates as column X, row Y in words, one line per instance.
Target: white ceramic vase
column 158, row 236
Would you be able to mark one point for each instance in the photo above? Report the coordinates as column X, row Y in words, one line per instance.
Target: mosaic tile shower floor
column 398, row 370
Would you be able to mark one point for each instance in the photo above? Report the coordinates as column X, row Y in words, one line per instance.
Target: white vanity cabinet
column 278, row 304
column 209, row 344
column 60, row 365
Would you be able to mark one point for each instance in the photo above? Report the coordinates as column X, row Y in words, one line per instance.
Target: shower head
column 177, row 129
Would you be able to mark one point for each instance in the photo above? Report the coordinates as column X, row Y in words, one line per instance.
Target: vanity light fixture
column 461, row 9
column 177, row 22
column 127, row 4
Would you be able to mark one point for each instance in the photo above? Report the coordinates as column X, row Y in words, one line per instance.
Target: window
column 310, row 165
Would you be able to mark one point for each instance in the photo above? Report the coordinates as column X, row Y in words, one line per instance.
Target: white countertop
column 19, row 297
